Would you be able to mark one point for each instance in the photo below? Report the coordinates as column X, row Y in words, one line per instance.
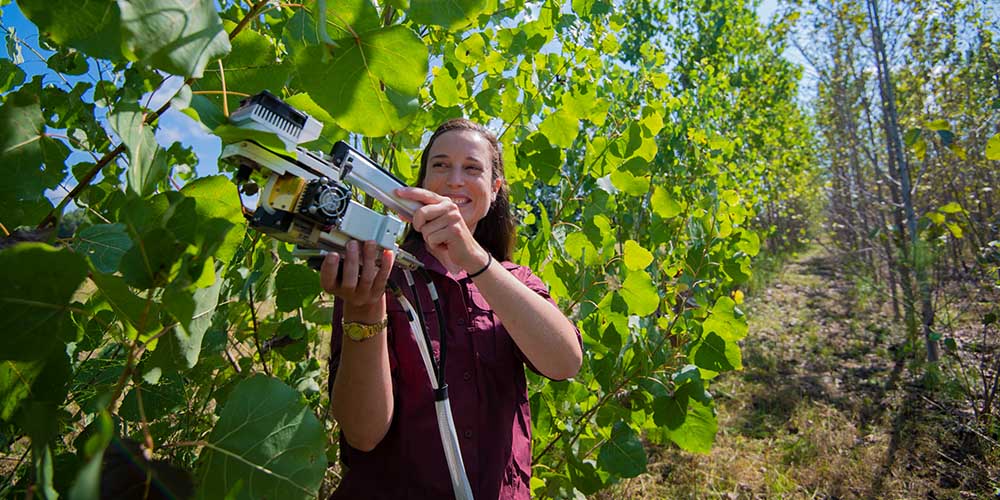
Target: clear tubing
column 446, row 424
column 452, row 453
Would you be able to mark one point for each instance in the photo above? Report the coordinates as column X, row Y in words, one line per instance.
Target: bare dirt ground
column 826, row 408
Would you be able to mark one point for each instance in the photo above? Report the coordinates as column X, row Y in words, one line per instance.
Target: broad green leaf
column 717, row 354
column 955, row 229
column 158, row 400
column 561, row 128
column 177, row 36
column 266, row 438
column 993, row 148
column 249, row 68
column 579, row 247
column 141, row 314
column 147, row 163
column 687, row 418
column 93, row 26
column 663, row 203
column 951, row 208
column 452, row 14
column 343, row 18
column 16, row 378
column 104, row 244
column 36, row 285
column 348, row 81
column 636, row 257
column 295, row 286
column 28, row 168
column 749, row 243
column 911, row 136
column 10, row 76
column 40, row 414
column 181, row 348
column 151, row 259
column 331, row 131
column 631, row 184
column 726, row 320
column 220, row 221
column 937, row 125
column 445, row 88
column 623, row 453
column 935, row 217
column 640, row 294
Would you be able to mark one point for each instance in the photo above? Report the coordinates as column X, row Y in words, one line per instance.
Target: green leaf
column 579, row 247
column 452, row 14
column 267, row 438
column 10, row 76
column 24, row 159
column 717, row 354
column 911, row 136
column 749, row 243
column 181, row 348
column 149, row 262
column 177, row 36
column 623, row 453
column 250, row 67
column 726, row 320
column 93, row 27
column 993, row 148
column 104, row 244
column 295, row 286
column 445, row 89
column 631, row 184
column 16, row 378
column 147, row 165
column 937, row 125
column 636, row 257
column 951, row 208
column 158, row 400
column 687, row 418
column 640, row 294
column 220, row 224
column 663, row 203
column 141, row 315
column 348, row 81
column 87, row 485
column 561, row 128
column 36, row 285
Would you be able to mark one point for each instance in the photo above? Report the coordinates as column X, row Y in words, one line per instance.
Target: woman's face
column 460, row 166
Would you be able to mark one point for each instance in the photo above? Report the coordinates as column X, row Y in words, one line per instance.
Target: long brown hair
column 497, row 231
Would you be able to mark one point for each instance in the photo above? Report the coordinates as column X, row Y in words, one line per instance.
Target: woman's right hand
column 361, row 282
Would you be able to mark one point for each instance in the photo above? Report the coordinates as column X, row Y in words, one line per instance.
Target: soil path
column 822, row 409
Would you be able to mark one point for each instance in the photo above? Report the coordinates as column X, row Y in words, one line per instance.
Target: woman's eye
column 438, row 165
column 473, row 168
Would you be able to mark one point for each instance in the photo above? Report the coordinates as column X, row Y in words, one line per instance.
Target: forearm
column 362, row 401
column 542, row 332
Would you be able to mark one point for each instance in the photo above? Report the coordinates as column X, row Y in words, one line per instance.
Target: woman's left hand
column 440, row 222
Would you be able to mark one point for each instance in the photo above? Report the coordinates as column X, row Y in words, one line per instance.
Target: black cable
column 440, row 323
column 436, row 365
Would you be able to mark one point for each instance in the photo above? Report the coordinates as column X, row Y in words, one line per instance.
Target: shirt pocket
column 492, row 343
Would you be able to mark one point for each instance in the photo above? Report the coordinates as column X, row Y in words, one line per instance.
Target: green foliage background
column 653, row 150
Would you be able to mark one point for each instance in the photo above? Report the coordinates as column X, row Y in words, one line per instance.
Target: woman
column 497, row 315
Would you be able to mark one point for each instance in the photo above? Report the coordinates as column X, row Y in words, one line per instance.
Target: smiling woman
column 498, row 317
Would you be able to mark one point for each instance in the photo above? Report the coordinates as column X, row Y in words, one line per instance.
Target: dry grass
column 823, row 409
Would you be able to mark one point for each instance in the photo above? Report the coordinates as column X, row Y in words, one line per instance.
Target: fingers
column 361, row 279
column 419, row 194
column 328, row 272
column 368, row 268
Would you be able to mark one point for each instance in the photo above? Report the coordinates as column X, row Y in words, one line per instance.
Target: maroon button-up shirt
column 488, row 396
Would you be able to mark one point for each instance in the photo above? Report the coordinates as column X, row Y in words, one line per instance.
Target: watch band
column 360, row 332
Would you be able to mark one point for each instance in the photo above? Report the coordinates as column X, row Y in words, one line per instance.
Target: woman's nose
column 455, row 176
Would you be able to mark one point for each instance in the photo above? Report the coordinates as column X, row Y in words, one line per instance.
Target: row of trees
column 652, row 151
column 908, row 102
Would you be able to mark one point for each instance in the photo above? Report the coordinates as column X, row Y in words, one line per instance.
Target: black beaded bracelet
column 489, row 260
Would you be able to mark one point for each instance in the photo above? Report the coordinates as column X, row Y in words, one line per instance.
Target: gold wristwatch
column 359, row 332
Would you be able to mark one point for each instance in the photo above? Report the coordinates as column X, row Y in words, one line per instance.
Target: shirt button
column 461, row 321
column 467, row 434
column 467, row 376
